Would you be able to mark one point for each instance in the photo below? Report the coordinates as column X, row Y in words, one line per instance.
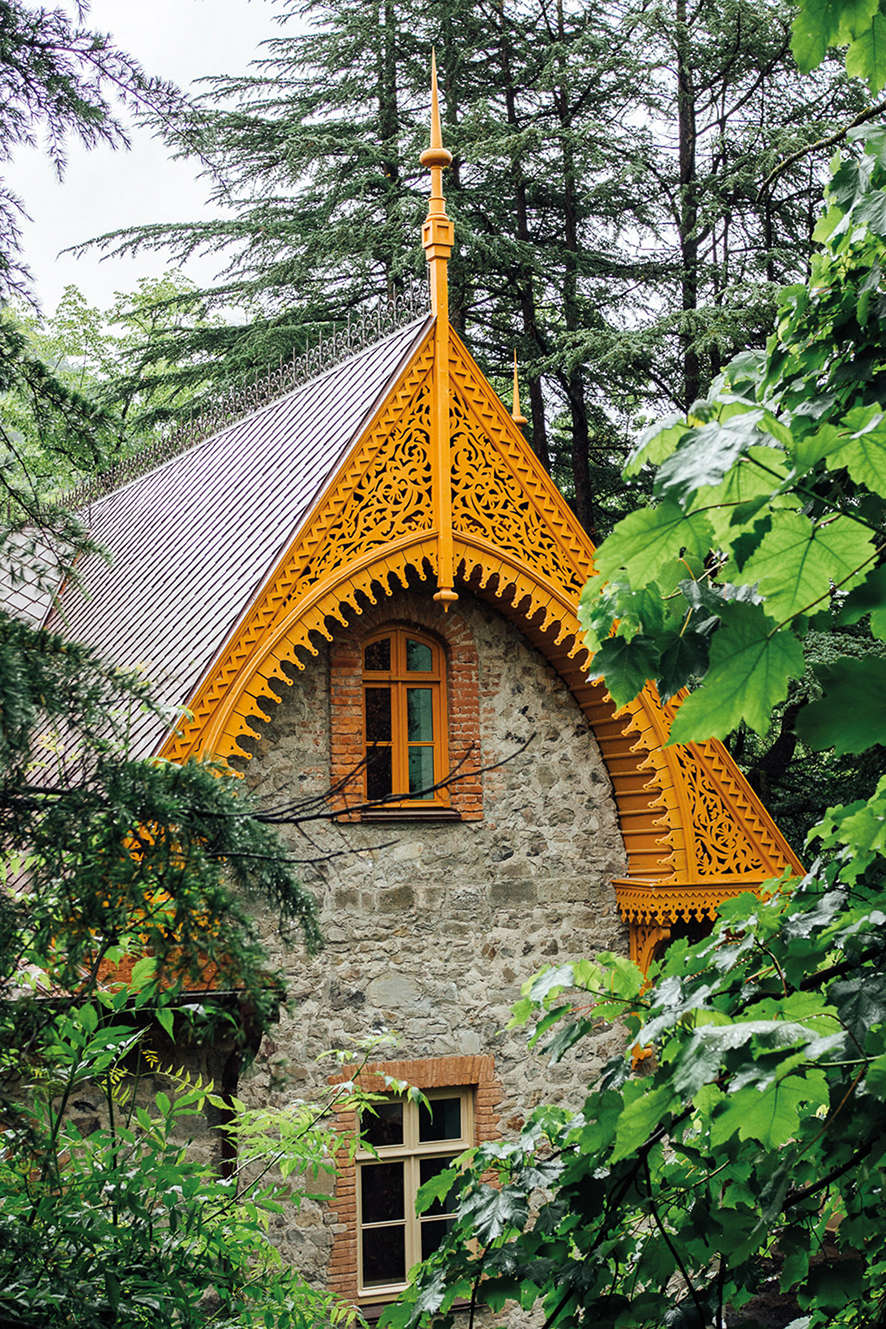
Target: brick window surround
column 408, row 610
column 432, row 1073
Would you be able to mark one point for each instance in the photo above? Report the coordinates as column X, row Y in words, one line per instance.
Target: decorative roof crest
column 240, row 400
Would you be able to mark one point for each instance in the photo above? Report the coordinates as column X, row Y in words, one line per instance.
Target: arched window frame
column 398, row 681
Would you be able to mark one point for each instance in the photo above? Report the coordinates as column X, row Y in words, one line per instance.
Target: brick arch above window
column 408, row 610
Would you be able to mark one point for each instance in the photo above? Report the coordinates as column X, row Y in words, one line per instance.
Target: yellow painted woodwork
column 437, row 237
column 694, row 831
column 516, row 414
column 646, row 941
column 441, row 482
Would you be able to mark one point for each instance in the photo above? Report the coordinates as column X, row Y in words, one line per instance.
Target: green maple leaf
column 864, row 456
column 773, row 1116
column 875, row 1079
column 493, row 1213
column 851, row 717
column 648, row 539
column 749, row 671
column 809, row 449
column 868, row 598
column 682, row 656
column 866, row 57
column 751, row 482
column 796, row 561
column 706, row 455
column 824, row 23
column 640, row 1118
column 625, row 665
column 435, row 1189
column 829, row 1289
column 656, row 443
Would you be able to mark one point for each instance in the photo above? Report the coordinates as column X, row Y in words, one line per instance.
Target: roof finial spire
column 436, row 237
column 516, row 415
column 437, row 234
column 436, row 134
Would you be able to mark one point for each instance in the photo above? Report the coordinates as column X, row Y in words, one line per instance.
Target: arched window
column 404, row 716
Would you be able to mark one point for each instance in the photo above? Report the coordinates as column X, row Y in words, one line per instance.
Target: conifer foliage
column 733, row 1175
column 113, row 867
column 606, row 192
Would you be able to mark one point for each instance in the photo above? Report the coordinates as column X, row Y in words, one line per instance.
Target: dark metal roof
column 247, row 397
column 31, row 572
column 193, row 541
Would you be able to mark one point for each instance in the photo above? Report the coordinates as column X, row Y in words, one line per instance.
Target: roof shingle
column 192, row 541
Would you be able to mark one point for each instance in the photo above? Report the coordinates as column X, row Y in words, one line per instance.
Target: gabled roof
column 693, row 830
column 193, row 541
column 232, row 558
column 30, row 574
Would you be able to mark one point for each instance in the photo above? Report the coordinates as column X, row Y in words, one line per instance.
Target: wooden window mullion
column 429, row 753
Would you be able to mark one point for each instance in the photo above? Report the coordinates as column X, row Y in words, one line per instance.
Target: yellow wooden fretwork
column 442, row 483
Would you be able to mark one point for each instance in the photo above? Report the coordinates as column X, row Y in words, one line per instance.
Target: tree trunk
column 526, row 293
column 686, row 134
column 388, row 126
column 575, row 386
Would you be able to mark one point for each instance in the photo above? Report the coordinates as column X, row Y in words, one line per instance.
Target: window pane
column 432, row 1235
column 419, row 657
column 385, row 1127
column 421, row 770
column 378, row 715
column 443, row 1122
column 382, row 1191
column 432, row 1167
column 384, row 1256
column 378, row 654
column 420, row 715
column 379, row 783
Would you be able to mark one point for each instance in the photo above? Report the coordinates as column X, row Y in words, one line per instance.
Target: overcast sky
column 103, row 190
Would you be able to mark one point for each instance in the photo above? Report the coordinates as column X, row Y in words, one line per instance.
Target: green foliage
column 771, row 491
column 123, row 856
column 858, row 25
column 102, row 406
column 112, row 865
column 676, row 1195
column 606, row 194
column 742, row 1144
column 106, row 1218
column 795, row 782
column 58, row 81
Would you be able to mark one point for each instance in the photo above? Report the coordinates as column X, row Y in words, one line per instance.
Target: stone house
column 364, row 592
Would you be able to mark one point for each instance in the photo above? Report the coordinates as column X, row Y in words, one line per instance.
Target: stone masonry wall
column 431, row 927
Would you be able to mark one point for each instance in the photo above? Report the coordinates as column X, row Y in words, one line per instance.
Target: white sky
column 103, row 190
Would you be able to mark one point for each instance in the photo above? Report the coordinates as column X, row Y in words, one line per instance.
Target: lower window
column 413, row 1143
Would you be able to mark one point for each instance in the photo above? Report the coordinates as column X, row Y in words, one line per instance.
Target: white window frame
column 410, row 1152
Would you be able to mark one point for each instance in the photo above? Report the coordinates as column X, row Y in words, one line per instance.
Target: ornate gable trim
column 688, row 818
column 378, row 500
